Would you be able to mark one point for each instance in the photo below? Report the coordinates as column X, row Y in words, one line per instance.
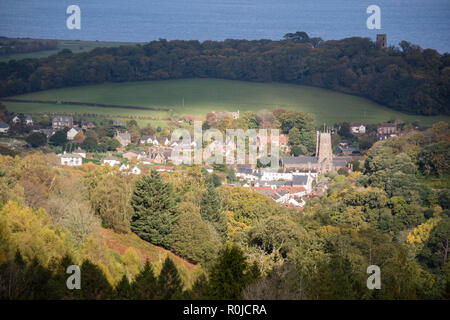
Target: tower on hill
column 381, row 41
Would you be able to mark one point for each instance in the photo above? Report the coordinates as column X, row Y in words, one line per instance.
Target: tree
column 211, row 210
column 436, row 250
column 59, row 138
column 169, row 282
column 109, row 194
column 144, row 286
column 294, row 136
column 308, row 139
column 36, row 139
column 90, row 144
column 299, row 36
column 123, row 290
column 94, row 285
column 154, row 209
column 298, row 150
column 192, row 237
column 230, row 275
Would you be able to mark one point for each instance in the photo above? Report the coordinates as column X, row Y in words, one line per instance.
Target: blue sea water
column 423, row 22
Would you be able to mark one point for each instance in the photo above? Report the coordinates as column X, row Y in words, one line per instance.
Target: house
column 235, row 115
column 136, row 170
column 72, row 133
column 4, row 127
column 87, row 125
column 386, row 130
column 62, row 121
column 28, row 120
column 148, row 140
column 71, row 159
column 303, row 180
column 345, row 150
column 119, row 124
column 130, row 155
column 48, row 132
column 208, row 168
column 16, row 119
column 284, row 143
column 357, row 127
column 164, row 168
column 80, row 152
column 123, row 138
column 112, row 161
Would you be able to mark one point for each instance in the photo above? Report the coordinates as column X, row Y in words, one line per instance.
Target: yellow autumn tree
column 421, row 233
column 32, row 233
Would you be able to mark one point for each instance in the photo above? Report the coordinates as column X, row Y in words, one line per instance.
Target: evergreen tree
column 94, row 285
column 144, row 284
column 123, row 290
column 230, row 275
column 200, row 289
column 154, row 209
column 170, row 285
column 211, row 210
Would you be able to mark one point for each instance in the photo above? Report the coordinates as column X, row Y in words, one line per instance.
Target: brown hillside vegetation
column 147, row 251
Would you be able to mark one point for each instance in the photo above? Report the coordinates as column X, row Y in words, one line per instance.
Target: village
column 295, row 179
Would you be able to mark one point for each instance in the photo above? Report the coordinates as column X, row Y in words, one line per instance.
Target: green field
column 74, row 45
column 201, row 96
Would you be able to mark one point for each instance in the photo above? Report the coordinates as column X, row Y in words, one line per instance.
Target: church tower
column 324, row 154
column 381, row 41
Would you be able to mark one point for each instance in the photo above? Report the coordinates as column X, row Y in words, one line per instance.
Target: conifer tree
column 94, row 285
column 230, row 275
column 170, row 285
column 144, row 285
column 123, row 290
column 155, row 211
column 211, row 210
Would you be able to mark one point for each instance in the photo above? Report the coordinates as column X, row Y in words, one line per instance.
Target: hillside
column 147, row 251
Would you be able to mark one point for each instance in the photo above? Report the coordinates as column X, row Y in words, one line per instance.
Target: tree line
column 405, row 78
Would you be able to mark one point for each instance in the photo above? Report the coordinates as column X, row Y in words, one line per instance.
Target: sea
column 422, row 22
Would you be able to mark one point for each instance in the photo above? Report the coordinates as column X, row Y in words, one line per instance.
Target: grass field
column 200, row 96
column 74, row 45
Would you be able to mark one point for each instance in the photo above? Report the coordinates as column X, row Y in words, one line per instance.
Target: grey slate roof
column 3, row 125
column 299, row 180
column 62, row 118
column 298, row 160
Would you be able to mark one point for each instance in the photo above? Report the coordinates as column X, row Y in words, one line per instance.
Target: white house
column 80, row 152
column 357, row 127
column 112, row 161
column 4, row 127
column 70, row 159
column 28, row 120
column 136, row 170
column 72, row 133
column 126, row 167
column 268, row 175
column 16, row 119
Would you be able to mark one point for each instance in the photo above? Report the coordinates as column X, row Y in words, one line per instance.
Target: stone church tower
column 381, row 41
column 323, row 151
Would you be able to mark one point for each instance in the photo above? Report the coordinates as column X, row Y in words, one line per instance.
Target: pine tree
column 155, row 211
column 144, row 285
column 123, row 290
column 230, row 275
column 170, row 285
column 200, row 289
column 94, row 285
column 211, row 210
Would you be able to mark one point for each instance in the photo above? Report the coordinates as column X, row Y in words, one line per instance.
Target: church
column 322, row 162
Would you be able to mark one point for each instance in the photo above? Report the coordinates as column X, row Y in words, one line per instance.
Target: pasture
column 200, row 96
